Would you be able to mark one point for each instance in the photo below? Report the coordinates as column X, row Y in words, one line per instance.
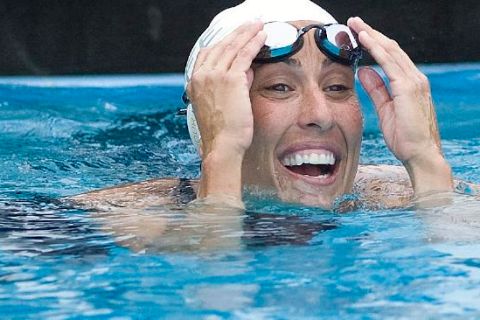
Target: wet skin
column 305, row 105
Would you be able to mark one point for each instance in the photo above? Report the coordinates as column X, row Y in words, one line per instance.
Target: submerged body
column 162, row 214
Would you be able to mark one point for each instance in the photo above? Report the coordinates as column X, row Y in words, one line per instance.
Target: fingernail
column 356, row 18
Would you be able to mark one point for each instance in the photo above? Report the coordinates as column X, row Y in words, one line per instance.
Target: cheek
column 269, row 121
column 257, row 164
column 352, row 118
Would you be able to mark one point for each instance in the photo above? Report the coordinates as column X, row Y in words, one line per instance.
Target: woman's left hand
column 406, row 113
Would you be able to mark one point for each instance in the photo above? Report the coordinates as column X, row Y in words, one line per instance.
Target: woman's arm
column 406, row 112
column 219, row 93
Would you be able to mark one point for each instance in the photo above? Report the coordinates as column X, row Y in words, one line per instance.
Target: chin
column 308, row 174
column 320, row 201
column 311, row 195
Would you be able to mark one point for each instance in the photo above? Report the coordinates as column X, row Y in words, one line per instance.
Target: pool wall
column 151, row 36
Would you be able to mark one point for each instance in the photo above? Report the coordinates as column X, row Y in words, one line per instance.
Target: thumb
column 374, row 85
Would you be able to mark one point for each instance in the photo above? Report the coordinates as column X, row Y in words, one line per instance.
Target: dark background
column 42, row 37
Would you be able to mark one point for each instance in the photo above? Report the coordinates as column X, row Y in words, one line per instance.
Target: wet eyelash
column 275, row 87
column 339, row 87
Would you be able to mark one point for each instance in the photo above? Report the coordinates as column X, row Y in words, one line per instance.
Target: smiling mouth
column 318, row 164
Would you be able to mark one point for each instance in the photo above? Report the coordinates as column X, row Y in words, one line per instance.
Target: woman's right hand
column 219, row 92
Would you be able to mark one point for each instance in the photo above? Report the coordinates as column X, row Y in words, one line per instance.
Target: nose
column 315, row 111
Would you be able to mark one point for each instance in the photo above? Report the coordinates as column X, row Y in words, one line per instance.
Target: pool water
column 68, row 135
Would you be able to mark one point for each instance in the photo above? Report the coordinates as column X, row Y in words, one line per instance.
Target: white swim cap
column 230, row 19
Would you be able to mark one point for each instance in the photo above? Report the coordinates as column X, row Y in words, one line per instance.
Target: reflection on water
column 269, row 229
column 45, row 227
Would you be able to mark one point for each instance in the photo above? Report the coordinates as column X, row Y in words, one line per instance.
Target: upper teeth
column 310, row 158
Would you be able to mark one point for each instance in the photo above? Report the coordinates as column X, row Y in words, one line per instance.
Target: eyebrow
column 296, row 63
column 292, row 62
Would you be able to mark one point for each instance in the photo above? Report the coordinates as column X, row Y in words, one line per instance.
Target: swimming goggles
column 336, row 41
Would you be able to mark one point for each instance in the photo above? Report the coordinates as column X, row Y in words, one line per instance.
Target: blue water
column 64, row 136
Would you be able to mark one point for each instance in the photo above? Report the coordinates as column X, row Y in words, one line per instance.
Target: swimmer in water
column 272, row 107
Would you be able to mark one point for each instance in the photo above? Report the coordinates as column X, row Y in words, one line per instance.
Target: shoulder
column 389, row 186
column 383, row 186
column 376, row 186
column 167, row 191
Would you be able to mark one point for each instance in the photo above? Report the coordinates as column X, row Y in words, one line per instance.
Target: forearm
column 221, row 178
column 430, row 174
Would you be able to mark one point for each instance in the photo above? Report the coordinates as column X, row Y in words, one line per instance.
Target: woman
column 271, row 91
column 293, row 125
column 272, row 108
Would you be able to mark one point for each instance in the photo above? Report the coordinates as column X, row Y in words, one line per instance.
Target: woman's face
column 308, row 128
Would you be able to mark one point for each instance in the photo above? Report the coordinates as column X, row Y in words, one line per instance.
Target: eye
column 337, row 88
column 280, row 87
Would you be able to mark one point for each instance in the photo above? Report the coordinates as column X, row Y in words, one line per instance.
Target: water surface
column 64, row 136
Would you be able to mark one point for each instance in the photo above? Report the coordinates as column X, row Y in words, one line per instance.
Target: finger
column 245, row 56
column 383, row 58
column 201, row 57
column 391, row 46
column 223, row 53
column 412, row 75
column 231, row 51
column 374, row 85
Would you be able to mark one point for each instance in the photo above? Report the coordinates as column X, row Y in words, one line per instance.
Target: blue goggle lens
column 337, row 41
